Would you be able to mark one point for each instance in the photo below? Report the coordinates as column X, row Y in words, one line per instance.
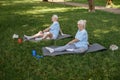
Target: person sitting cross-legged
column 51, row 32
column 79, row 44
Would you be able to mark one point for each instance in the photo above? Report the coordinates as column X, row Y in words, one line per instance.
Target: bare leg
column 48, row 34
column 39, row 34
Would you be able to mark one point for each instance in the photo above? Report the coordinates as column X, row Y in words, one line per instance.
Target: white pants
column 71, row 46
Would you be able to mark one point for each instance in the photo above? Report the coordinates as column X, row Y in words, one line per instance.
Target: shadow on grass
column 16, row 59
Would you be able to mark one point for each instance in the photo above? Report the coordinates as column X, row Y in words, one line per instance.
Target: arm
column 47, row 29
column 73, row 41
column 61, row 32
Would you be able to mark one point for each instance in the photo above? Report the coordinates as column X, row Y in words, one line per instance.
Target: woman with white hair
column 79, row 44
column 51, row 32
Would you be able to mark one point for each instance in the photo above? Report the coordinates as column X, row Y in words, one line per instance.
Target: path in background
column 113, row 10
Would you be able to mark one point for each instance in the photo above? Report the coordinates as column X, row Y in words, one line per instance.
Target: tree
column 45, row 0
column 109, row 4
column 91, row 6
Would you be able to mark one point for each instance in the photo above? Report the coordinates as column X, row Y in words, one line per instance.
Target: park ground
column 96, row 2
column 30, row 16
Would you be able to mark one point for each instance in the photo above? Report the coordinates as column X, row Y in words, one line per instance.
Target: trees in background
column 109, row 4
column 45, row 0
column 91, row 5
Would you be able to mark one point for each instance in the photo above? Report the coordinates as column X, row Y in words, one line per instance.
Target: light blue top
column 54, row 29
column 82, row 36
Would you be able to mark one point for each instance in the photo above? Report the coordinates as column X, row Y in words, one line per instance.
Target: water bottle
column 38, row 56
column 34, row 53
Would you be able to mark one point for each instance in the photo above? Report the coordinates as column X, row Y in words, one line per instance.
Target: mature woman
column 79, row 44
column 51, row 32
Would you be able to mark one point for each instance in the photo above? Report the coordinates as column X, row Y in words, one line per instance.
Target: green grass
column 30, row 16
column 98, row 2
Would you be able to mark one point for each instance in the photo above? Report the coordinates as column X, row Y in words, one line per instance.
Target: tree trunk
column 45, row 0
column 109, row 4
column 91, row 6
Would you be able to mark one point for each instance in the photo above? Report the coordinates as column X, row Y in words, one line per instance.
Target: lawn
column 97, row 2
column 30, row 16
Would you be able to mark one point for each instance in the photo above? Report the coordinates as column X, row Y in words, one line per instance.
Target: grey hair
column 55, row 16
column 82, row 22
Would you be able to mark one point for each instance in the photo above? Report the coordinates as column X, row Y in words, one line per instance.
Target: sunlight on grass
column 38, row 10
column 116, row 6
column 114, row 28
column 48, row 10
column 46, row 25
column 105, row 20
column 98, row 32
column 5, row 3
column 27, row 17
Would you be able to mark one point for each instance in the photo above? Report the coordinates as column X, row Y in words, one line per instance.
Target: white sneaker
column 15, row 36
column 50, row 49
column 27, row 37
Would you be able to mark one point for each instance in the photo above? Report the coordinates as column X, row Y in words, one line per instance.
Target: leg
column 39, row 34
column 46, row 35
column 62, row 48
column 68, row 46
column 80, row 50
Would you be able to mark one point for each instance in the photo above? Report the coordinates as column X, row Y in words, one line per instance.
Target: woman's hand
column 43, row 31
column 73, row 41
column 70, row 42
column 46, row 30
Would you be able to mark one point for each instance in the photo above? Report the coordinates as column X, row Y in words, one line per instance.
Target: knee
column 40, row 32
column 67, row 45
column 48, row 33
column 81, row 50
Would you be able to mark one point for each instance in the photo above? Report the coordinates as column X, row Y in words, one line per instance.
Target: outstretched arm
column 61, row 32
column 73, row 41
column 47, row 29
